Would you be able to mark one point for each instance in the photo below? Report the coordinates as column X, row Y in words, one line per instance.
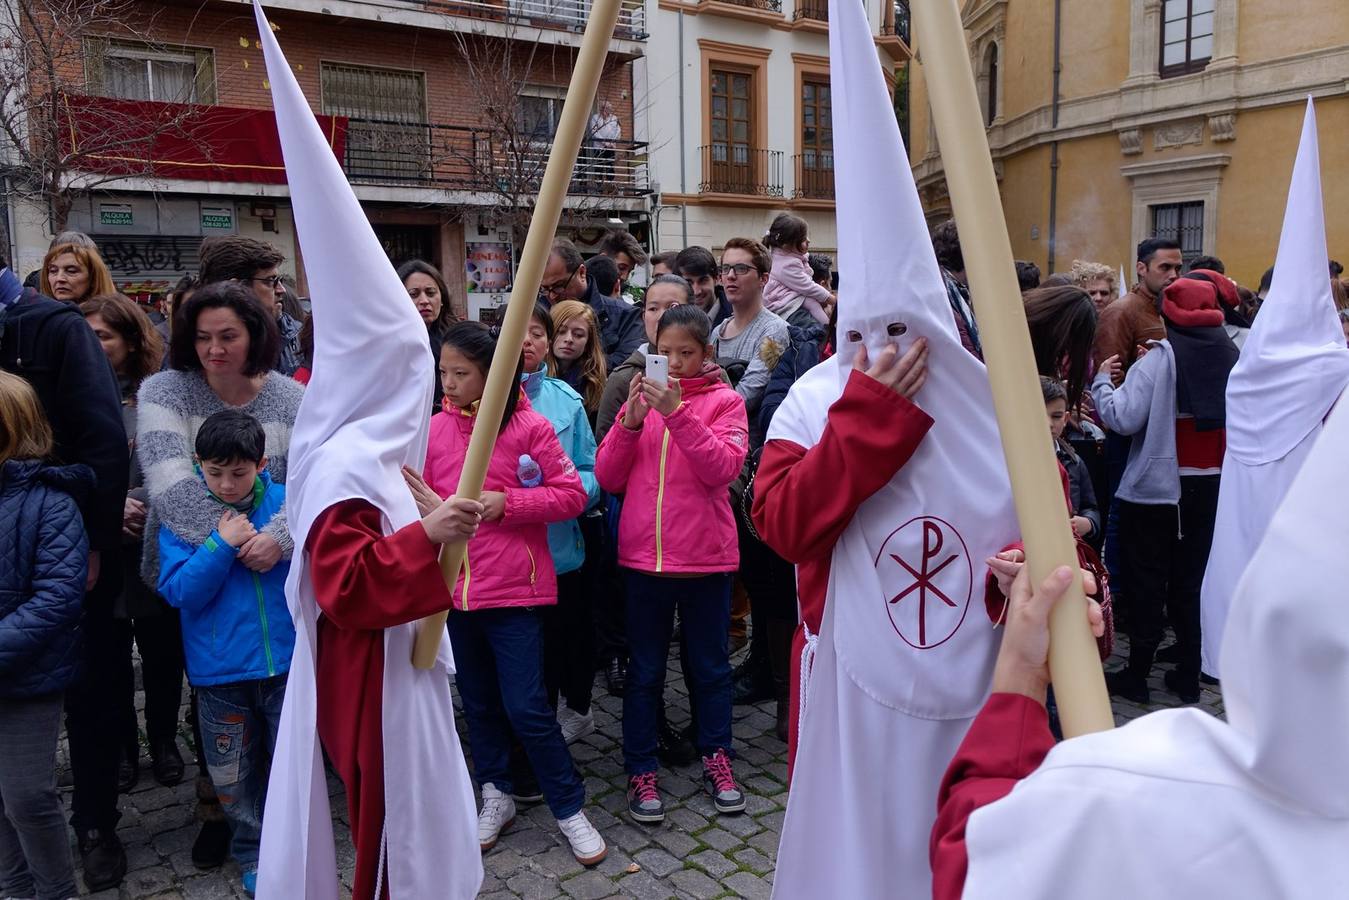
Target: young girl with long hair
column 43, row 564
column 791, row 284
column 673, row 454
column 506, row 577
column 579, row 352
column 569, row 628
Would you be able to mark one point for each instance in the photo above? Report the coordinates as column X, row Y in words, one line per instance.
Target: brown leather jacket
column 1125, row 324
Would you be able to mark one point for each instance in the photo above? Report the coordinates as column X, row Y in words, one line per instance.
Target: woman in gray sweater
column 223, row 348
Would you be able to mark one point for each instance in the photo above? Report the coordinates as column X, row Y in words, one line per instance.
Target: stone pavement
column 695, row 853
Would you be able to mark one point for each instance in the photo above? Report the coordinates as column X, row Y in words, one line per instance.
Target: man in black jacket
column 49, row 344
column 564, row 278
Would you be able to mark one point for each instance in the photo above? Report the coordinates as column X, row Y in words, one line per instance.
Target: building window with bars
column 388, row 138
column 1187, row 36
column 538, row 111
column 1182, row 223
column 131, row 70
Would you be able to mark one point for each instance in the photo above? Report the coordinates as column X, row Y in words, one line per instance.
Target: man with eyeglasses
column 753, row 334
column 254, row 263
column 565, row 278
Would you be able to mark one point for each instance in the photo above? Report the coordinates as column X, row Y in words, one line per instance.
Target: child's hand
column 637, row 407
column 1081, row 526
column 427, row 499
column 664, row 400
column 455, row 519
column 235, row 528
column 1112, row 367
column 493, row 505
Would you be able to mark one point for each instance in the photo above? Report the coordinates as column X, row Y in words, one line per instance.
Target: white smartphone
column 658, row 369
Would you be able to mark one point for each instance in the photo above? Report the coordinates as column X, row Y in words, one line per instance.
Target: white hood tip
column 1294, row 362
column 884, row 247
column 1285, row 655
column 366, row 409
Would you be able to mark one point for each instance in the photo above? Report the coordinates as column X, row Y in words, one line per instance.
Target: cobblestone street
column 694, row 853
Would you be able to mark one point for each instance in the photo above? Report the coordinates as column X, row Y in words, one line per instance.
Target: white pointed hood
column 363, row 417
column 905, row 647
column 1294, row 363
column 1293, row 366
column 891, row 272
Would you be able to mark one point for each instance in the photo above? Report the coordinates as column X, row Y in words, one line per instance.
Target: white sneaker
column 574, row 725
column 498, row 814
column 586, row 844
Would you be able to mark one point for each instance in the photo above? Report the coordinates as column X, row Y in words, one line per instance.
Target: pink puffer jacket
column 674, row 476
column 508, row 563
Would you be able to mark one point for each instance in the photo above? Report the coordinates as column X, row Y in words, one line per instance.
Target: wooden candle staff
column 547, row 211
column 1075, row 668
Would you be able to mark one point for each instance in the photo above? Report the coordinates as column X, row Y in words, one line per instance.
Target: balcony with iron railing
column 554, row 15
column 896, row 21
column 814, row 172
column 484, row 160
column 811, row 10
column 764, row 5
column 740, row 170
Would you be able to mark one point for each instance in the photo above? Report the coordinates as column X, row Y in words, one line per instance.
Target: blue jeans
column 35, row 856
column 239, row 723
column 498, row 660
column 704, row 606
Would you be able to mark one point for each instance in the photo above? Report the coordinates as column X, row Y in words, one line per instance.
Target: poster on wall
column 489, row 271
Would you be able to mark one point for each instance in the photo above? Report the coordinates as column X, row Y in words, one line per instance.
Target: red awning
column 178, row 140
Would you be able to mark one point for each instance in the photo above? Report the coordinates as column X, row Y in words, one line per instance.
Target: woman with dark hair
column 1062, row 321
column 429, row 294
column 134, row 349
column 222, row 354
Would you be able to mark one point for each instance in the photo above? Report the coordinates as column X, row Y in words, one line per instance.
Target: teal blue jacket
column 236, row 625
column 562, row 406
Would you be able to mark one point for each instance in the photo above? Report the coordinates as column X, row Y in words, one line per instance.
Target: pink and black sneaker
column 644, row 803
column 720, row 783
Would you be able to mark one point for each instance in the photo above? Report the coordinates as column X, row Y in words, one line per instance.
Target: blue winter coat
column 236, row 625
column 44, row 558
column 564, row 409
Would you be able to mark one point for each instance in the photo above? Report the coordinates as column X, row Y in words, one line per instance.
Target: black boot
column 212, row 845
column 129, row 769
column 166, row 762
column 780, row 634
column 672, row 747
column 1186, row 688
column 752, row 682
column 616, row 676
column 1128, row 685
column 103, row 859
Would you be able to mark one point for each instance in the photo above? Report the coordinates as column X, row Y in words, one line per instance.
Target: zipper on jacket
column 262, row 614
column 533, row 567
column 660, row 498
column 466, row 577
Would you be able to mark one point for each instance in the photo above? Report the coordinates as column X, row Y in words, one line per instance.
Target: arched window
column 990, row 78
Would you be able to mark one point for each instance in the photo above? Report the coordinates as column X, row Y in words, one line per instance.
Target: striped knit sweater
column 171, row 406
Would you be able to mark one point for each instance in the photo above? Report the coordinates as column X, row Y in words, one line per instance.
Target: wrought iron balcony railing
column 567, row 14
column 818, row 10
column 730, row 168
column 469, row 159
column 897, row 22
column 814, row 172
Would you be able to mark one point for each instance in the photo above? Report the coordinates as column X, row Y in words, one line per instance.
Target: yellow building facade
column 1113, row 120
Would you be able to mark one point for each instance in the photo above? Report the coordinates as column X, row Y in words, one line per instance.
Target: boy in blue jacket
column 237, row 631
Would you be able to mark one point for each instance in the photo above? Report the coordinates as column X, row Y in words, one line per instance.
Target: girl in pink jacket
column 508, row 572
column 790, row 283
column 673, row 454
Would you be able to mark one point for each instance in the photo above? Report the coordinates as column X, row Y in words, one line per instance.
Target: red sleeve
column 365, row 580
column 1007, row 741
column 801, row 504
